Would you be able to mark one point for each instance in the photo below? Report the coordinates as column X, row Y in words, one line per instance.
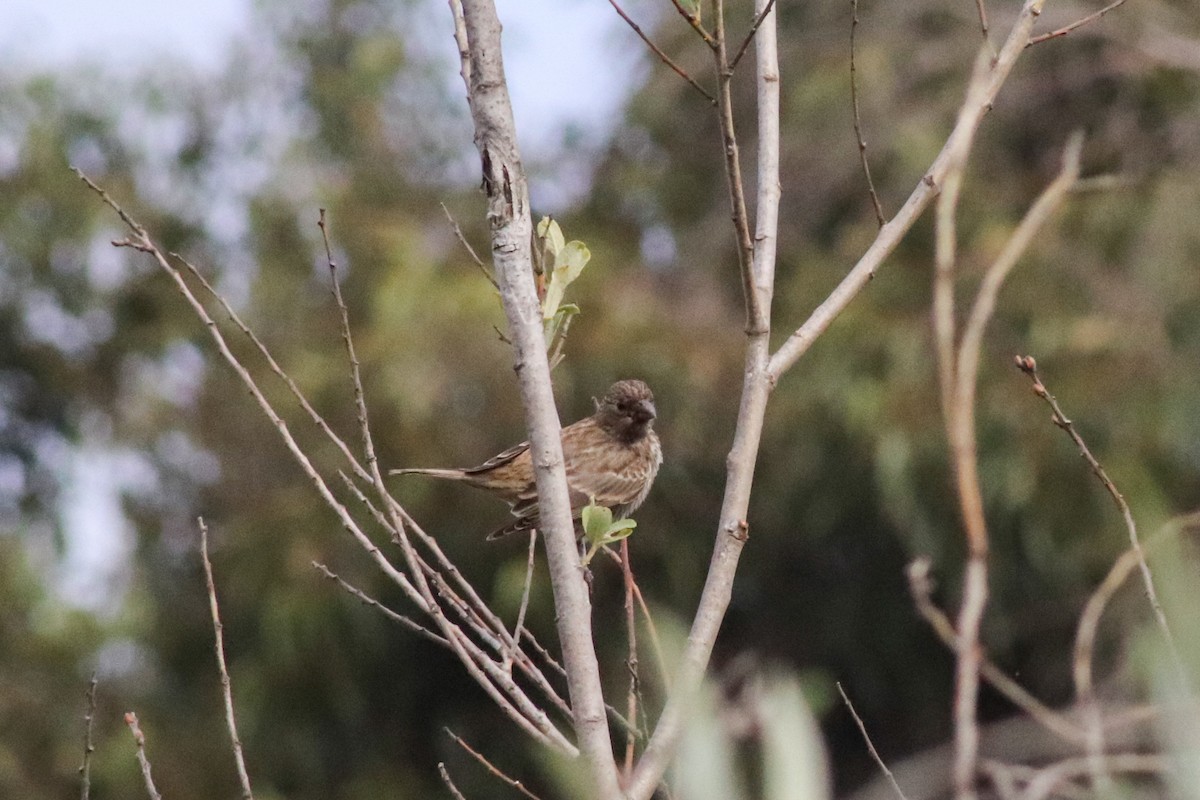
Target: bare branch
column 1050, row 779
column 489, row 766
column 1029, row 366
column 894, row 231
column 756, row 321
column 631, row 698
column 983, row 21
column 487, row 273
column 694, row 21
column 367, row 600
column 758, row 20
column 85, row 769
column 530, row 718
column 757, row 382
column 449, row 783
column 862, row 144
column 871, row 747
column 140, row 739
column 921, row 588
column 317, row 419
column 520, row 624
column 666, row 59
column 1064, row 30
column 219, row 649
column 957, row 372
column 511, row 230
column 143, row 243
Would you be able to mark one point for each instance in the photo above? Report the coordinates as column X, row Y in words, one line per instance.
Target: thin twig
column 85, row 769
column 983, row 21
column 755, row 318
column 460, row 40
column 694, row 21
column 520, row 626
column 219, row 648
column 733, row 529
column 1049, row 779
column 631, row 702
column 862, row 144
column 758, row 20
column 531, row 719
column 1064, row 30
column 958, row 413
column 449, row 783
column 498, row 684
column 666, row 59
column 921, row 588
column 1081, row 669
column 487, row 273
column 317, row 419
column 490, row 767
column 1029, row 366
column 975, row 106
column 651, row 628
column 367, row 600
column 871, row 747
column 140, row 739
column 142, row 243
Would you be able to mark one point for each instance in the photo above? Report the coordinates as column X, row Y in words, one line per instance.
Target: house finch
column 611, row 457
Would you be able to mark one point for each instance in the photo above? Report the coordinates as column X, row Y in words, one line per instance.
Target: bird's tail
column 446, row 474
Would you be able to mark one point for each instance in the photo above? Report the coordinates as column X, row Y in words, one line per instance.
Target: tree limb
column 511, row 227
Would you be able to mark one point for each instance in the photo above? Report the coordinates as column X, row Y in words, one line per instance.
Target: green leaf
column 558, row 325
column 621, row 529
column 567, row 264
column 551, row 235
column 596, row 522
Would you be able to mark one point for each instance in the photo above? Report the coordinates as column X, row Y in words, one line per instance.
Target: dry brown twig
column 694, row 21
column 870, row 745
column 524, row 606
column 85, row 769
column 367, row 600
column 666, row 59
column 862, row 144
column 1066, row 29
column 139, row 739
column 467, row 246
column 921, row 588
column 219, row 648
column 958, row 367
column 1028, row 365
column 631, row 699
column 758, row 21
column 494, row 680
column 1048, row 780
column 490, row 767
column 508, row 696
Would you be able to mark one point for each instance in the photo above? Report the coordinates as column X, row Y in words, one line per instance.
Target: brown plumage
column 612, row 456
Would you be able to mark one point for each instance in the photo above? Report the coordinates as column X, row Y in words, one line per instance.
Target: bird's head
column 627, row 410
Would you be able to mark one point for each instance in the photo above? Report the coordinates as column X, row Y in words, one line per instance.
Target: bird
column 611, row 458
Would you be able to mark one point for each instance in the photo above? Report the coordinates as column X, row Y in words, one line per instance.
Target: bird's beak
column 646, row 410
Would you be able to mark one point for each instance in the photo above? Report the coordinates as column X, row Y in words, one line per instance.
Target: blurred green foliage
column 339, row 107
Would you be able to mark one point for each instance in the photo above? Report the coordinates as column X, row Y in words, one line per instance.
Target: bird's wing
column 498, row 460
column 610, row 486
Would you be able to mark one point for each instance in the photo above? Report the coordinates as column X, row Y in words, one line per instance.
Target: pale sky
column 569, row 61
